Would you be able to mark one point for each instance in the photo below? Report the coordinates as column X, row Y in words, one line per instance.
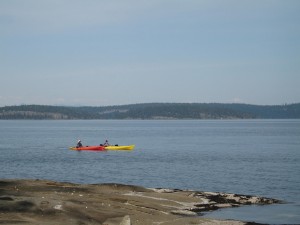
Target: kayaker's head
column 79, row 141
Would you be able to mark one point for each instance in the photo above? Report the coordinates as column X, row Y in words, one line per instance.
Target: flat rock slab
column 50, row 202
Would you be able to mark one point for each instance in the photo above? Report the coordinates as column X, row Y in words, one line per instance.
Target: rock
column 184, row 212
column 126, row 221
column 47, row 202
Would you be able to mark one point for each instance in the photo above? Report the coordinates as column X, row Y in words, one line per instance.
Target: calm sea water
column 257, row 157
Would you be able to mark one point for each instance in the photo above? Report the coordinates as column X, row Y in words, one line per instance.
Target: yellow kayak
column 120, row 147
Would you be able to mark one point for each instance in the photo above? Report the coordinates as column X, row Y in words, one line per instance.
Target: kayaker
column 78, row 144
column 106, row 143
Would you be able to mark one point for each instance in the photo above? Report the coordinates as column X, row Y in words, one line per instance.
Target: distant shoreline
column 45, row 202
column 152, row 111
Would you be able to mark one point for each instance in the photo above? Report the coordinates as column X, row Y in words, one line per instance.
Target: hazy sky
column 110, row 52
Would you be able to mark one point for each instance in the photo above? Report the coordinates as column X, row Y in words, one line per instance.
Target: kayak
column 120, row 147
column 104, row 148
column 90, row 148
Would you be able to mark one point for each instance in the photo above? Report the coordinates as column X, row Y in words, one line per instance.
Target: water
column 256, row 157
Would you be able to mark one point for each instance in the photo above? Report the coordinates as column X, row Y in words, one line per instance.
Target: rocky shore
column 50, row 202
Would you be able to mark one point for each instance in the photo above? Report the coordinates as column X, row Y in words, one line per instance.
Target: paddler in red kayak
column 78, row 144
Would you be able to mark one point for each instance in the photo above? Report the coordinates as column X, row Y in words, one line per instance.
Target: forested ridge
column 154, row 111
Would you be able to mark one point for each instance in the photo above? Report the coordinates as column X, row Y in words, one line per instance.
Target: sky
column 115, row 52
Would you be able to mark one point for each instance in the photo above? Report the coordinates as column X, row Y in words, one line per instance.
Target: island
column 152, row 111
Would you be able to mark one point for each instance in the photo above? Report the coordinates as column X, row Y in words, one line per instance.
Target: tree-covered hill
column 154, row 111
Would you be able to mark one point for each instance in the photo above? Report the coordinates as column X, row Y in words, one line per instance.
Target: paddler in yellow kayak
column 106, row 143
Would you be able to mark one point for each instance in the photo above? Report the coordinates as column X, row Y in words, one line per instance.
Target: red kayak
column 90, row 148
